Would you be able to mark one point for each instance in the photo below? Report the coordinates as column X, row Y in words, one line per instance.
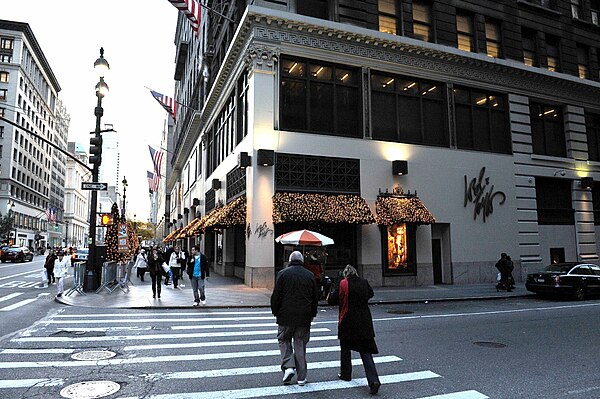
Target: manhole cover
column 90, row 390
column 401, row 312
column 487, row 344
column 93, row 355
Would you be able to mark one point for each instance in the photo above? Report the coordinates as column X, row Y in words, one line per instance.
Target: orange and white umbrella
column 304, row 237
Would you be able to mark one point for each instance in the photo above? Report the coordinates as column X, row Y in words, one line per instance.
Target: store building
column 424, row 137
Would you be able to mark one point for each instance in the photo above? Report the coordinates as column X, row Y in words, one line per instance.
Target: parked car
column 80, row 255
column 16, row 253
column 576, row 279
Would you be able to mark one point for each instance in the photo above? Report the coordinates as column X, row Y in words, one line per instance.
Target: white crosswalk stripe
column 231, row 357
column 16, row 305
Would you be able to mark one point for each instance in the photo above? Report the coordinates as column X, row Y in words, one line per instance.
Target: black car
column 16, row 254
column 578, row 280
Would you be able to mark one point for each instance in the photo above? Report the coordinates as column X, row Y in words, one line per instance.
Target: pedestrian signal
column 106, row 219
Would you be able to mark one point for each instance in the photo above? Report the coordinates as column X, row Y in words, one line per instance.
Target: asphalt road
column 510, row 348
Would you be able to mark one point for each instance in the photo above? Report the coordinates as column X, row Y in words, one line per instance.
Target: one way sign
column 94, row 186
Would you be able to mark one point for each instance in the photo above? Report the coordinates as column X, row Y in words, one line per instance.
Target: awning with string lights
column 172, row 235
column 228, row 215
column 393, row 209
column 187, row 230
column 326, row 208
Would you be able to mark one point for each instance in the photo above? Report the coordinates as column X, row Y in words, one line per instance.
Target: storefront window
column 400, row 250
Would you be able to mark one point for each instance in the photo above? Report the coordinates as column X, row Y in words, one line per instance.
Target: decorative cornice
column 261, row 58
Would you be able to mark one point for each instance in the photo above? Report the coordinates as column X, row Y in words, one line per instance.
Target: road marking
column 17, row 305
column 41, row 382
column 19, row 274
column 154, row 336
column 211, row 344
column 35, row 351
column 459, row 395
column 64, row 316
column 161, row 320
column 293, row 389
column 158, row 359
column 10, row 296
column 256, row 370
column 192, row 327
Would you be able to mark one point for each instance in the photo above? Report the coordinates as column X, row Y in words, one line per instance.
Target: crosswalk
column 15, row 301
column 203, row 353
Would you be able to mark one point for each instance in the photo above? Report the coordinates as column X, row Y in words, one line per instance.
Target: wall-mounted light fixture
column 179, row 216
column 265, row 157
column 195, row 202
column 216, row 184
column 186, row 211
column 587, row 182
column 244, row 160
column 400, row 168
column 174, row 222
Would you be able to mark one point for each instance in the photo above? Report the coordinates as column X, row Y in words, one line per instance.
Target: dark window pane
column 379, row 82
column 537, row 136
column 555, row 140
column 346, row 76
column 321, row 107
column 464, row 135
column 481, row 129
column 320, row 72
column 461, row 96
column 313, row 8
column 408, row 87
column 383, row 106
column 501, row 136
column 409, row 111
column 348, row 112
column 430, row 90
column 434, row 126
column 293, row 105
column 293, row 68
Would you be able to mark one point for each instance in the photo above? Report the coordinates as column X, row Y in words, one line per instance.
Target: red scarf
column 343, row 299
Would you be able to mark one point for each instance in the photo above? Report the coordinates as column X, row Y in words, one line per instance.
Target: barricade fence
column 78, row 278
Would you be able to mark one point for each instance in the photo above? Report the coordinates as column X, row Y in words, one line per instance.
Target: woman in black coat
column 155, row 261
column 355, row 327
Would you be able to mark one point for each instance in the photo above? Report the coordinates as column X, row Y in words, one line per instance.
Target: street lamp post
column 102, row 66
column 124, row 198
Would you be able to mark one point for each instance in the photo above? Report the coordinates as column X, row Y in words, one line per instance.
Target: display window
column 400, row 250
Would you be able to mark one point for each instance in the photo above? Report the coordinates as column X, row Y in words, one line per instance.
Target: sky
column 138, row 41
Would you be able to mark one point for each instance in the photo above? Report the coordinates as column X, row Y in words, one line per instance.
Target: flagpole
column 177, row 102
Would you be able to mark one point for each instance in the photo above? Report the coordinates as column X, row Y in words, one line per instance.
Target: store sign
column 122, row 239
column 481, row 194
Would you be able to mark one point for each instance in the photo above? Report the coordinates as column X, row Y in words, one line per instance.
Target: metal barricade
column 122, row 277
column 78, row 277
column 109, row 277
column 128, row 275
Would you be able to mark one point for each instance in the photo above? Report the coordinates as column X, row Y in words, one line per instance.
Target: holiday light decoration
column 231, row 214
column 111, row 239
column 398, row 209
column 305, row 207
column 172, row 236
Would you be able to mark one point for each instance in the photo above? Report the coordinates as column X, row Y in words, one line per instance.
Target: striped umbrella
column 304, row 237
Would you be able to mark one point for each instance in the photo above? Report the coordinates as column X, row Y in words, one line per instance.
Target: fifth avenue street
column 506, row 348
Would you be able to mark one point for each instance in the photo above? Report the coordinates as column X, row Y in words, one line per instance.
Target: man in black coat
column 294, row 302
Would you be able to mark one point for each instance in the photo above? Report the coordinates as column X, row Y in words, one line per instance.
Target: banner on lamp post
column 122, row 239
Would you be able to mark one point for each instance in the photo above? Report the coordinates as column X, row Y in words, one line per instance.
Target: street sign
column 94, row 186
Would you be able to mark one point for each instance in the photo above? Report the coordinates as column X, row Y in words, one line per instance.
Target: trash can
column 89, row 282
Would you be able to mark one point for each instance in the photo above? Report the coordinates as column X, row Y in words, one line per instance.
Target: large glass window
column 313, row 8
column 493, row 39
column 6, row 43
column 576, row 8
column 553, row 53
column 595, row 11
column 464, row 29
column 553, row 199
column 3, row 77
column 547, row 130
column 400, row 251
column 583, row 61
column 388, row 20
column 422, row 21
column 529, row 48
column 481, row 120
column 408, row 110
column 592, row 127
column 320, row 98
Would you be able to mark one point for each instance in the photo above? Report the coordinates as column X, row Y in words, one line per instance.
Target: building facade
column 76, row 214
column 466, row 128
column 29, row 168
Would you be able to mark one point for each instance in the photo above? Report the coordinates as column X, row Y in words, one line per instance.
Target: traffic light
column 106, row 219
column 96, row 150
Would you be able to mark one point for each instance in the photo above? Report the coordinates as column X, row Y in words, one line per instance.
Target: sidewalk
column 225, row 292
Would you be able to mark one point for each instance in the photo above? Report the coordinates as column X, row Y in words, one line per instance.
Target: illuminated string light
column 393, row 210
column 303, row 207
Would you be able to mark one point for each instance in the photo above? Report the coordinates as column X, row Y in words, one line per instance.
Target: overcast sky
column 137, row 37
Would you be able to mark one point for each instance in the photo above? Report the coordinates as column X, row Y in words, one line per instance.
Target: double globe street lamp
column 101, row 66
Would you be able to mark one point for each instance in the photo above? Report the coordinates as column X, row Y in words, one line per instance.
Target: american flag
column 51, row 214
column 157, row 157
column 166, row 102
column 153, row 180
column 191, row 9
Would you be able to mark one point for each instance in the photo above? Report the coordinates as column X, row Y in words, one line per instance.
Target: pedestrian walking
column 61, row 270
column 175, row 266
column 294, row 303
column 355, row 326
column 184, row 255
column 141, row 264
column 155, row 262
column 49, row 266
column 198, row 271
column 505, row 267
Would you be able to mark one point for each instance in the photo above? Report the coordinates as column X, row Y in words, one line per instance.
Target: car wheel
column 579, row 294
column 3, row 260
